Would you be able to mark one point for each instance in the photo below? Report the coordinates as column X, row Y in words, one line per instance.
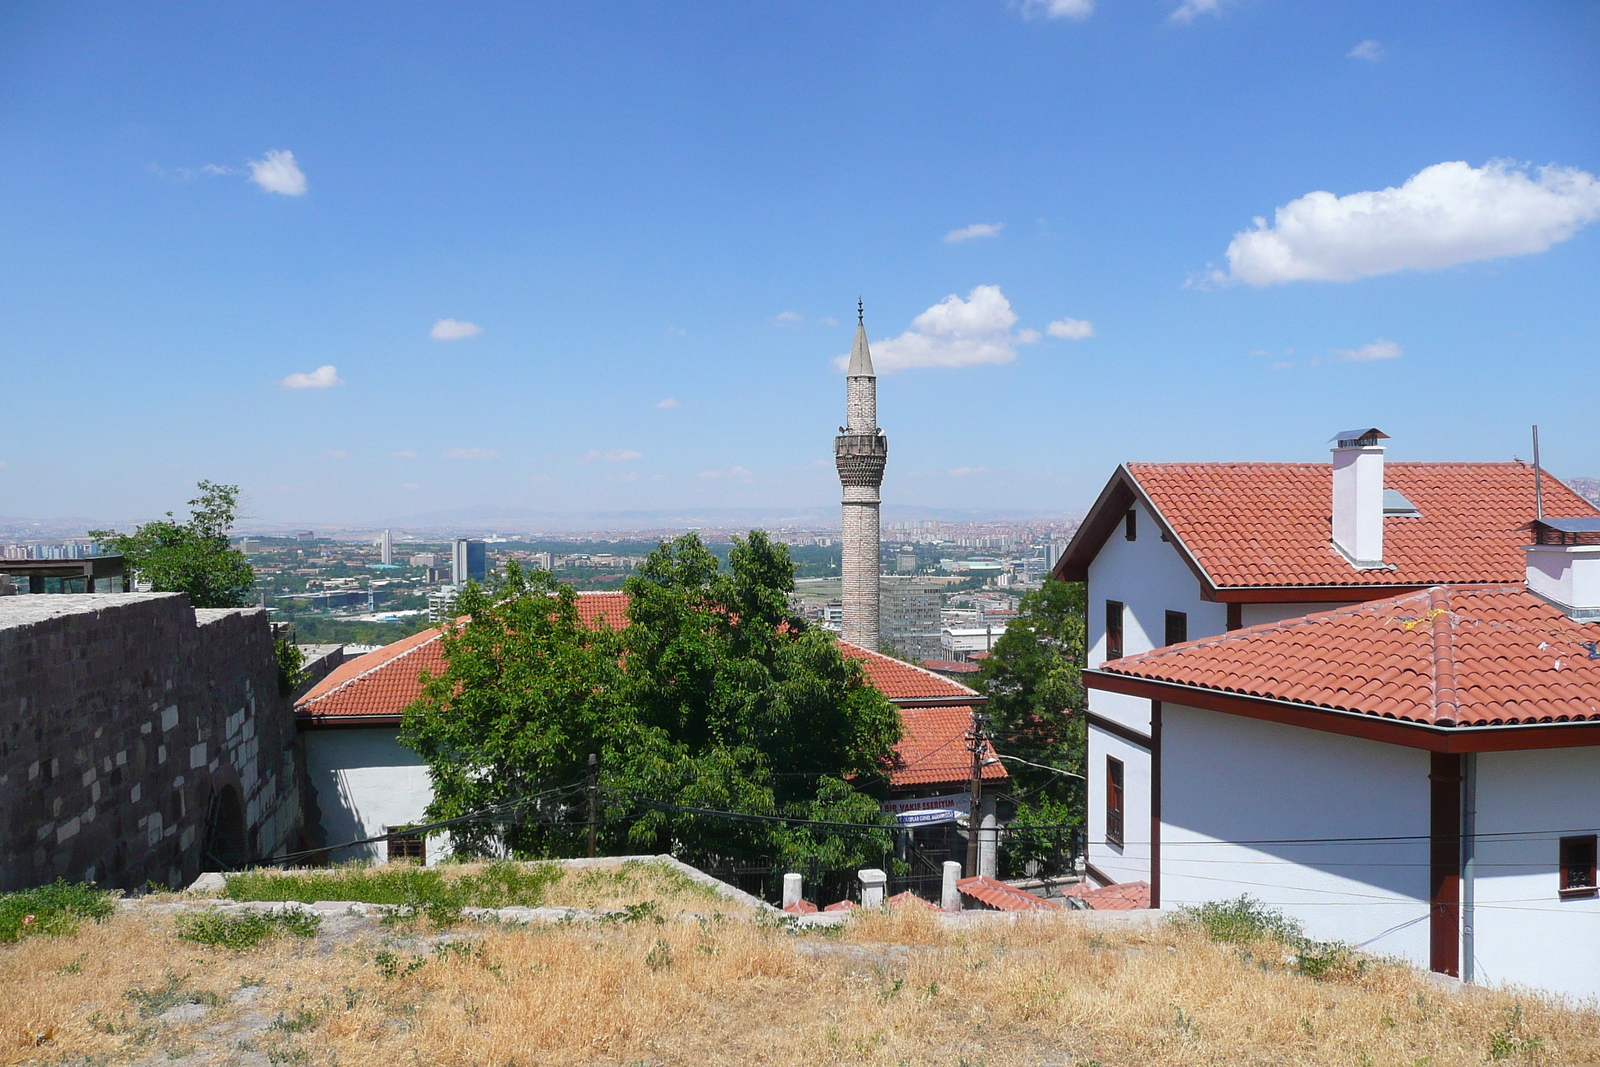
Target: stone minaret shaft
column 860, row 452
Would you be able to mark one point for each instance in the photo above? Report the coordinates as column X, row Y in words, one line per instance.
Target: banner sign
column 927, row 811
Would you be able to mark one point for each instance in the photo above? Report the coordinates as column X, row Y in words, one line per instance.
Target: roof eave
column 1101, row 521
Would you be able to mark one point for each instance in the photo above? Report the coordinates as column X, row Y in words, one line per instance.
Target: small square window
column 404, row 846
column 1578, row 866
column 1177, row 627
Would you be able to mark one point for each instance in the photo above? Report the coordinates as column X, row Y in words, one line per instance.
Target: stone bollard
column 950, row 898
column 791, row 889
column 872, row 883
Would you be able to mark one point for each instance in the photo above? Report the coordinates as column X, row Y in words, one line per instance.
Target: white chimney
column 1564, row 565
column 1358, row 496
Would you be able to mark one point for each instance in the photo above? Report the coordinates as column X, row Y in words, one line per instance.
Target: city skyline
column 568, row 262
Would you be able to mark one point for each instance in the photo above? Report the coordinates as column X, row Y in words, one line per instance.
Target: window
column 1577, row 866
column 1130, row 525
column 1177, row 627
column 404, row 846
column 1113, row 629
column 1114, row 800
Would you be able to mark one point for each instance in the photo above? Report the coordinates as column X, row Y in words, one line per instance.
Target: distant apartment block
column 469, row 561
column 424, row 559
column 910, row 617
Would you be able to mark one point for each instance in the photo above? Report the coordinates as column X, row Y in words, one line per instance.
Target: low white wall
column 1526, row 934
column 1257, row 614
column 367, row 781
column 1230, row 779
column 1130, row 862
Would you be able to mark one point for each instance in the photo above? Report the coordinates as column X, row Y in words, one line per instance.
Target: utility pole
column 594, row 798
column 975, row 740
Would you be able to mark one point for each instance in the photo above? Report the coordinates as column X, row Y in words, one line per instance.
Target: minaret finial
column 861, row 312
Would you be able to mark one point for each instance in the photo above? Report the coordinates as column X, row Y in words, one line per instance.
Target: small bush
column 244, row 930
column 1243, row 920
column 51, row 909
column 426, row 889
column 152, row 1002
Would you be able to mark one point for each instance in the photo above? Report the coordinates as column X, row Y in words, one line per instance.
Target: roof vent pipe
column 1358, row 496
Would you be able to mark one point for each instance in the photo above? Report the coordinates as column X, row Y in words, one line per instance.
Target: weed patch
column 55, row 909
column 440, row 893
column 153, row 1002
column 244, row 930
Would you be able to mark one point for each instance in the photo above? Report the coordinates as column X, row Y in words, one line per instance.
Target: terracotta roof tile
column 1269, row 524
column 934, row 749
column 1003, row 897
column 1123, row 896
column 842, row 905
column 1446, row 656
column 801, row 907
column 899, row 680
column 909, row 899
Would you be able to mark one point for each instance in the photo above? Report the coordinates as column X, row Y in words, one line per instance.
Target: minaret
column 860, row 452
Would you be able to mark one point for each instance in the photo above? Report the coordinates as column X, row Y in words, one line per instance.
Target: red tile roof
column 909, row 899
column 1269, row 524
column 950, row 666
column 381, row 684
column 801, row 907
column 934, row 749
column 1123, row 896
column 1002, row 897
column 1477, row 656
column 842, row 905
column 899, row 680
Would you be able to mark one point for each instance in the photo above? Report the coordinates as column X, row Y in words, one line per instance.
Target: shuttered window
column 1114, row 800
column 1113, row 629
column 1177, row 627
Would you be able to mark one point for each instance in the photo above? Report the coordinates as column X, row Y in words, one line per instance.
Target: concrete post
column 872, row 885
column 950, row 896
column 989, row 840
column 791, row 889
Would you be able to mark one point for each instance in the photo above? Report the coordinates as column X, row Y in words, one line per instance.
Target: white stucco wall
column 1257, row 614
column 367, row 781
column 1130, row 862
column 1225, row 778
column 1150, row 578
column 1525, row 933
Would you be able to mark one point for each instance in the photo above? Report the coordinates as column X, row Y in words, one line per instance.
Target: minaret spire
column 860, row 453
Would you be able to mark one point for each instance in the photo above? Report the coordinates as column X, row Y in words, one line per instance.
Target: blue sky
column 642, row 203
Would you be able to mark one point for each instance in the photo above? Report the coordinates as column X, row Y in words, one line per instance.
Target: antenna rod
column 1538, row 479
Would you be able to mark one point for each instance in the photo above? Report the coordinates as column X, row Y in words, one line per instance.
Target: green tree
column 192, row 557
column 712, row 697
column 1034, row 682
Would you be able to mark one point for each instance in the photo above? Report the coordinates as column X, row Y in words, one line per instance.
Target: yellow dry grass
column 890, row 989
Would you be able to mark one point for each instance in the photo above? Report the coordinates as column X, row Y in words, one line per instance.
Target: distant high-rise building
column 305, row 535
column 469, row 561
column 542, row 561
column 910, row 617
column 860, row 452
column 386, row 549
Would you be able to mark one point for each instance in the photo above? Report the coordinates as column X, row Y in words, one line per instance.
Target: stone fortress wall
column 140, row 740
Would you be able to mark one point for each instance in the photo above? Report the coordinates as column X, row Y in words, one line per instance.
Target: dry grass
column 888, row 989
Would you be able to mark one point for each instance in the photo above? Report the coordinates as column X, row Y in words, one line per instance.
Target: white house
column 1173, row 553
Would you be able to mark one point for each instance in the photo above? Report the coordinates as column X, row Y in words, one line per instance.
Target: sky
column 386, row 260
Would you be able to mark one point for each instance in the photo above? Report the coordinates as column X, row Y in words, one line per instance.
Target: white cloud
column 1057, row 9
column 623, row 476
column 667, row 402
column 411, row 485
column 1444, row 215
column 404, row 453
column 977, row 229
column 452, row 330
column 788, row 319
column 278, row 173
column 952, row 333
column 829, row 321
column 321, row 378
column 612, row 455
column 1368, row 50
column 1187, row 10
column 1029, row 337
column 967, row 472
column 1379, row 349
column 738, row 473
column 1070, row 329
column 471, row 453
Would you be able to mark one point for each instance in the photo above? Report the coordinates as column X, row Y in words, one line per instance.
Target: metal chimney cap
column 1355, row 438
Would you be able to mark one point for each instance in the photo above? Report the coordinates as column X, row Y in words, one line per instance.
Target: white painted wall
column 1131, row 862
column 1225, row 778
column 1257, row 614
column 1526, row 934
column 1150, row 578
column 367, row 781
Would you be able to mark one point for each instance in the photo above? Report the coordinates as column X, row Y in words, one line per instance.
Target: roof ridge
column 438, row 632
column 1446, row 700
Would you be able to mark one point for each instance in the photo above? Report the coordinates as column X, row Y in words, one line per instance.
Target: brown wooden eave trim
column 1098, row 875
column 1510, row 738
column 1116, row 729
column 344, row 722
column 974, row 701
